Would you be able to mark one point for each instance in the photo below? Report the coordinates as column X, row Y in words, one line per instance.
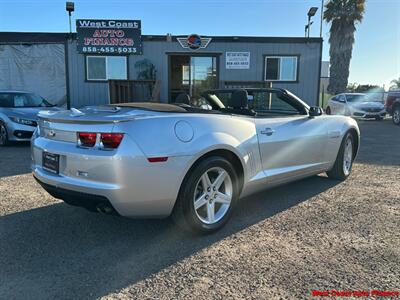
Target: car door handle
column 267, row 131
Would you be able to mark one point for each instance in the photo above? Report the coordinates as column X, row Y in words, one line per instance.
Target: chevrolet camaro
column 192, row 160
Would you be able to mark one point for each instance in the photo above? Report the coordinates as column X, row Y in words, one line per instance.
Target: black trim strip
column 61, row 37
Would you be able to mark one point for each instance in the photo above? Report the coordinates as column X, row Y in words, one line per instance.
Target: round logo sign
column 194, row 41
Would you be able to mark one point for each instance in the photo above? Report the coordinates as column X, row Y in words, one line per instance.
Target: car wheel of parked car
column 3, row 135
column 378, row 118
column 396, row 115
column 208, row 195
column 328, row 110
column 344, row 160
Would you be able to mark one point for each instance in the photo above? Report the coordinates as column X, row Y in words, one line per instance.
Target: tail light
column 111, row 140
column 87, row 139
column 107, row 140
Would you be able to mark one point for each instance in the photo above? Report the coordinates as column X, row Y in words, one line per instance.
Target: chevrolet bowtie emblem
column 51, row 133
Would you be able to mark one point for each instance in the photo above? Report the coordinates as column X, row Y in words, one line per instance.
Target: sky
column 376, row 52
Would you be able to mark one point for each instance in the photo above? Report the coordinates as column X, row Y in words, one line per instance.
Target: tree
column 364, row 88
column 395, row 84
column 343, row 16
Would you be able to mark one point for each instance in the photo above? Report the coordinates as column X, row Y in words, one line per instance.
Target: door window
column 269, row 103
column 342, row 98
column 192, row 75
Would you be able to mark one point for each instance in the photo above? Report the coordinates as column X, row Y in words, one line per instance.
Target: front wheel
column 344, row 160
column 396, row 115
column 328, row 110
column 3, row 135
column 208, row 195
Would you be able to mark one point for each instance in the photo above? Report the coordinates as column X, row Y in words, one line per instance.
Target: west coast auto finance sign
column 109, row 36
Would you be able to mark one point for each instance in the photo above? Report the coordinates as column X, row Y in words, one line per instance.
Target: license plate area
column 51, row 162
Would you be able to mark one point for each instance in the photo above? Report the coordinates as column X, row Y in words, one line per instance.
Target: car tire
column 396, row 115
column 328, row 110
column 378, row 118
column 213, row 210
column 344, row 160
column 3, row 135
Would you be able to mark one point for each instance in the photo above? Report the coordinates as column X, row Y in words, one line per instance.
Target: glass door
column 203, row 71
column 192, row 75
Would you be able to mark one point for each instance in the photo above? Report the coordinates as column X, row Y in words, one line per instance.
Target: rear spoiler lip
column 85, row 121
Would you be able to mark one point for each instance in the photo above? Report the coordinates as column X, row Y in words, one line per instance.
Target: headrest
column 238, row 99
column 183, row 98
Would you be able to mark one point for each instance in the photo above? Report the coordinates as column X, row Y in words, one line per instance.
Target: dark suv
column 393, row 106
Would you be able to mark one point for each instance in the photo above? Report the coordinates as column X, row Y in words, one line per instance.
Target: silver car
column 156, row 160
column 18, row 115
column 356, row 105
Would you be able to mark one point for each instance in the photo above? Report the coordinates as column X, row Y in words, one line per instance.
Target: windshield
column 22, row 100
column 358, row 98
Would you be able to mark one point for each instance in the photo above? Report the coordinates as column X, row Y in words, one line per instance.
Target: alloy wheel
column 213, row 195
column 348, row 156
column 3, row 135
column 396, row 116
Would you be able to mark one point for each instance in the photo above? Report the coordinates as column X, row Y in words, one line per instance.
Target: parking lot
column 315, row 234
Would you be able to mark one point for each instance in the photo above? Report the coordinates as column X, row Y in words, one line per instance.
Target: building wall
column 90, row 93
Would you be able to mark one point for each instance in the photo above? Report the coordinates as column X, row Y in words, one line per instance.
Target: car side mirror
column 315, row 111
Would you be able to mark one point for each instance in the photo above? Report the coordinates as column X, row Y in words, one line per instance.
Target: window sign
column 238, row 60
column 109, row 36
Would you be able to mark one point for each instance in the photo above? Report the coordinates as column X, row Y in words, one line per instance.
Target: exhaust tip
column 104, row 209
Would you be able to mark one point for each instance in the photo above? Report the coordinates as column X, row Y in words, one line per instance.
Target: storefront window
column 280, row 68
column 106, row 67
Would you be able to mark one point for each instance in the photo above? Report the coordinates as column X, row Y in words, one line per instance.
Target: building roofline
column 60, row 37
column 32, row 37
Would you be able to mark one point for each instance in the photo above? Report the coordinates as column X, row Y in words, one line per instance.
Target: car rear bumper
column 124, row 177
column 88, row 201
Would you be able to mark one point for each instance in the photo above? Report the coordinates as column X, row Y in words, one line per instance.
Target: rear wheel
column 344, row 160
column 328, row 110
column 378, row 118
column 396, row 115
column 208, row 195
column 3, row 135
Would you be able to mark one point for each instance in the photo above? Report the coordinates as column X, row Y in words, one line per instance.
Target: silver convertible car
column 193, row 162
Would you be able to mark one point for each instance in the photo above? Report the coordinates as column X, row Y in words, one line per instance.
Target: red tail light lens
column 111, row 140
column 87, row 139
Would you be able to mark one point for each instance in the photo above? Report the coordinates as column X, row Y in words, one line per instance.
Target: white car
column 356, row 105
column 155, row 159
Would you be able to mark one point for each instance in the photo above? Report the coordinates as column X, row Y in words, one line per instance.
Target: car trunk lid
column 65, row 125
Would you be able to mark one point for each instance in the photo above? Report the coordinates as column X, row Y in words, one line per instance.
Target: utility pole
column 69, row 7
column 322, row 18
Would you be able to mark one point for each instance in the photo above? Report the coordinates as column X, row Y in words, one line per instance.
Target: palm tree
column 395, row 84
column 343, row 16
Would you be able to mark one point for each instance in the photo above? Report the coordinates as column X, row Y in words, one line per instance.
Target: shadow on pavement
column 380, row 143
column 15, row 159
column 59, row 251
